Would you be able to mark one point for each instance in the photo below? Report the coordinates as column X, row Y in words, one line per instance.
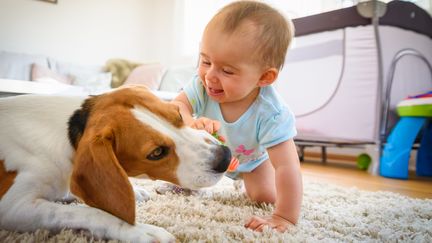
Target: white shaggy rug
column 329, row 214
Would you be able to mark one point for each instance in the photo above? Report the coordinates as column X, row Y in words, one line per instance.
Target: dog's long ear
column 99, row 180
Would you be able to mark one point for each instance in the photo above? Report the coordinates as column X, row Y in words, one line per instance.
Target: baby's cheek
column 201, row 74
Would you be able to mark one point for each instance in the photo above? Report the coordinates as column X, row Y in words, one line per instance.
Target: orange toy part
column 233, row 164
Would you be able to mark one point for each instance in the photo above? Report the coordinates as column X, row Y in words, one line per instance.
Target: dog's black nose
column 222, row 159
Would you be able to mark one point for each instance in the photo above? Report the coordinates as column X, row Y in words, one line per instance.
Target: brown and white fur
column 89, row 146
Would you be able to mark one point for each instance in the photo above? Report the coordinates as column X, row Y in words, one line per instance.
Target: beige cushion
column 39, row 72
column 146, row 74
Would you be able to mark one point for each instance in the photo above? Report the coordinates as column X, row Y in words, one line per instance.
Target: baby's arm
column 289, row 186
column 289, row 189
column 202, row 123
column 185, row 108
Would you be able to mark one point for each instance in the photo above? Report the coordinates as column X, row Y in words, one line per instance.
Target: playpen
column 349, row 68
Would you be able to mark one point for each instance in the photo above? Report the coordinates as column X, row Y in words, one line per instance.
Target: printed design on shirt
column 193, row 102
column 243, row 156
column 242, row 150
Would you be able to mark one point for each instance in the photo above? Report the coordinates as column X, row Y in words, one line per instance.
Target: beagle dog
column 89, row 146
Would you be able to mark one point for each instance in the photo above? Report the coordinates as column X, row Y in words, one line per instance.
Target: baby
column 242, row 50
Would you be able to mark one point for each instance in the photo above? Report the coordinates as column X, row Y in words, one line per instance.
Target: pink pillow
column 147, row 74
column 41, row 72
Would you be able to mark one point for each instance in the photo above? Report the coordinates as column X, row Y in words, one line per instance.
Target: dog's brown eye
column 158, row 153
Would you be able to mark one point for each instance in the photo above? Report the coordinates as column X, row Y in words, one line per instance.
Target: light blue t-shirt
column 267, row 122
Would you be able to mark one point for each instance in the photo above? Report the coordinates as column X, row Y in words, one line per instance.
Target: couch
column 30, row 73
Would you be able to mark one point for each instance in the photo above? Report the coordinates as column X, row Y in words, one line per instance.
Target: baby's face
column 226, row 68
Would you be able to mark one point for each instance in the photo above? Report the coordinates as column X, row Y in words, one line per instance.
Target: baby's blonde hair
column 273, row 34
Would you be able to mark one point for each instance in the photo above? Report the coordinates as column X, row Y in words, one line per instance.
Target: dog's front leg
column 31, row 214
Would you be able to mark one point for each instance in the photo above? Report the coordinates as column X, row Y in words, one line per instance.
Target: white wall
column 90, row 31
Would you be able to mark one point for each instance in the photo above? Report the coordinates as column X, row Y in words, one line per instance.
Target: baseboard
column 330, row 156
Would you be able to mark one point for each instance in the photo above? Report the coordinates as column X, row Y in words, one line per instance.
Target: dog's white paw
column 141, row 194
column 157, row 233
column 147, row 233
column 171, row 188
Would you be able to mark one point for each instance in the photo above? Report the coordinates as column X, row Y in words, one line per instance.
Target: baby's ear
column 268, row 77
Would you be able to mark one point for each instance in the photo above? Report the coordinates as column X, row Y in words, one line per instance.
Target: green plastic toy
column 363, row 161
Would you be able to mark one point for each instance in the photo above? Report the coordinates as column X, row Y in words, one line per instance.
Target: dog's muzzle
column 222, row 159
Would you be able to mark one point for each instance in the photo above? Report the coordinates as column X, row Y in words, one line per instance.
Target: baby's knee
column 262, row 197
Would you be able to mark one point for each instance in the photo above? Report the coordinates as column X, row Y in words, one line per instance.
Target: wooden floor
column 346, row 174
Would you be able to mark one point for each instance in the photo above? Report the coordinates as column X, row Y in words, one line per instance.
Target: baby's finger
column 198, row 125
column 255, row 226
column 254, row 222
column 280, row 228
column 260, row 228
column 216, row 126
column 248, row 222
column 209, row 127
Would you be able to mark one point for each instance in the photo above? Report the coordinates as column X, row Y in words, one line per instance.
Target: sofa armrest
column 17, row 87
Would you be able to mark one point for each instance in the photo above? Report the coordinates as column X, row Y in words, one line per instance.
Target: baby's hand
column 276, row 222
column 204, row 123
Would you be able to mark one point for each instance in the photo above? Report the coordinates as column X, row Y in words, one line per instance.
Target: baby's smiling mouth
column 213, row 91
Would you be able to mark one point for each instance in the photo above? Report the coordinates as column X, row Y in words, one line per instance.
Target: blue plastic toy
column 415, row 112
column 424, row 154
